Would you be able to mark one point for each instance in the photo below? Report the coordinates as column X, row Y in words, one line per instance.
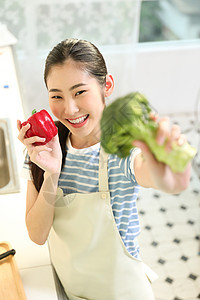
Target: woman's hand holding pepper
column 48, row 157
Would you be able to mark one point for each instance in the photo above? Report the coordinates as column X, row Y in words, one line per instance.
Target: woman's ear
column 109, row 85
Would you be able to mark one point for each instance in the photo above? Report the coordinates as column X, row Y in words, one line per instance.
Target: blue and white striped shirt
column 80, row 174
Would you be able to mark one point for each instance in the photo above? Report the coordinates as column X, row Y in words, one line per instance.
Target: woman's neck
column 78, row 143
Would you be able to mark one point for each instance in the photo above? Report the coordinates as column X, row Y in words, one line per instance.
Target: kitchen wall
column 170, row 75
column 167, row 73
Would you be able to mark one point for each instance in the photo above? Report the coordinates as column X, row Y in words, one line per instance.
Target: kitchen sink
column 9, row 182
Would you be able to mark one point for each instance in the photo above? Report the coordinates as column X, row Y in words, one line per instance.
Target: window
column 115, row 26
column 39, row 25
column 164, row 20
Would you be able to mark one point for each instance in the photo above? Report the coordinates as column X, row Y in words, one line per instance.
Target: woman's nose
column 71, row 107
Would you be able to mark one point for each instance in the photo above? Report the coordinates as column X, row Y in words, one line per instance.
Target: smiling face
column 77, row 100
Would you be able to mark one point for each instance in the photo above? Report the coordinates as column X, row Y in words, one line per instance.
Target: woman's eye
column 56, row 97
column 80, row 92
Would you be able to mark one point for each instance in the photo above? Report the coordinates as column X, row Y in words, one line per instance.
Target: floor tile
column 170, row 251
column 145, row 238
column 194, row 213
column 185, row 289
column 183, row 231
column 177, row 269
column 170, row 236
column 176, row 214
column 149, row 253
column 189, row 247
column 163, row 290
column 194, row 265
column 163, row 234
column 155, row 218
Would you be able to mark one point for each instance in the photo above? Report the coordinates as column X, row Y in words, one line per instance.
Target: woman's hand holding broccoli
column 128, row 122
column 159, row 174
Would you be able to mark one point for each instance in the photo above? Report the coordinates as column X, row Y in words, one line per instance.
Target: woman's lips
column 78, row 122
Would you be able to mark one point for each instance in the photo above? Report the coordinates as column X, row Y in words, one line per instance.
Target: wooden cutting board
column 11, row 287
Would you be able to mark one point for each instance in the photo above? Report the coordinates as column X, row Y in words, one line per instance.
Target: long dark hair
column 90, row 60
column 37, row 172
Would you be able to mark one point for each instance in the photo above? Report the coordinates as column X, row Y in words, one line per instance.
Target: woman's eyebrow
column 76, row 86
column 54, row 90
column 71, row 88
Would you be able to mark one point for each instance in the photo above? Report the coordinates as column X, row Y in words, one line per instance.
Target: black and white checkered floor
column 170, row 237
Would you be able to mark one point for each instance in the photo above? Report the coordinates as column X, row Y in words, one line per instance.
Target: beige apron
column 87, row 250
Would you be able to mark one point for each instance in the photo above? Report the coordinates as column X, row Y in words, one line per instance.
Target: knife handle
column 7, row 253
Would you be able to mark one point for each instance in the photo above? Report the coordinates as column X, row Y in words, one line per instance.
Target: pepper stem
column 34, row 111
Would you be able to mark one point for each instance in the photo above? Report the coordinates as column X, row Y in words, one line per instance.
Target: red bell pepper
column 42, row 125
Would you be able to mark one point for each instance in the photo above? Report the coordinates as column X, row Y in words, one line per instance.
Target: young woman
column 83, row 200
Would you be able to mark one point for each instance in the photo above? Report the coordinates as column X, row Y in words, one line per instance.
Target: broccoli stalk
column 128, row 119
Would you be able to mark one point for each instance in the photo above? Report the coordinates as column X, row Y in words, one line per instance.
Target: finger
column 18, row 125
column 42, row 148
column 163, row 130
column 35, row 151
column 181, row 140
column 154, row 116
column 175, row 132
column 34, row 139
column 174, row 136
column 22, row 132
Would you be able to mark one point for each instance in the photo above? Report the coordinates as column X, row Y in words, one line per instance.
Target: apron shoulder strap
column 103, row 171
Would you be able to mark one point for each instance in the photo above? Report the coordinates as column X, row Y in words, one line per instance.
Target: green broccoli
column 128, row 119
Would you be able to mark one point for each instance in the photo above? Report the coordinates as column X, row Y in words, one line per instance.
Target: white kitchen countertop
column 33, row 261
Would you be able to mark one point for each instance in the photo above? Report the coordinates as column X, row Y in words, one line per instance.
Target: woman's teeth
column 78, row 120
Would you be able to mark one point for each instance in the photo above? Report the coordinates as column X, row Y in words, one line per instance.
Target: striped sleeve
column 133, row 155
column 127, row 164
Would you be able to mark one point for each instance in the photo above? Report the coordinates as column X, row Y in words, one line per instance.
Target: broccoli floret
column 128, row 119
